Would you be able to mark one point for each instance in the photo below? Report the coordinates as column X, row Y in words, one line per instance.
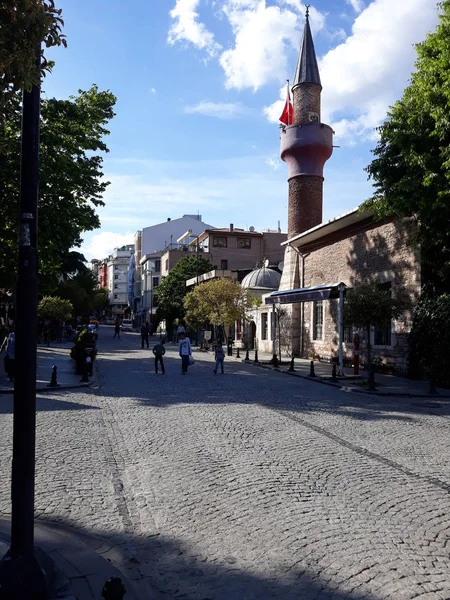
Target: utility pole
column 21, row 575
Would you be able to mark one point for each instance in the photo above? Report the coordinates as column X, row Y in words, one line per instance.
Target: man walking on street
column 159, row 352
column 116, row 329
column 9, row 345
column 145, row 332
column 185, row 351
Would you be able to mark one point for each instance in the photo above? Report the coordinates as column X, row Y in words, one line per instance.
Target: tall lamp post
column 21, row 575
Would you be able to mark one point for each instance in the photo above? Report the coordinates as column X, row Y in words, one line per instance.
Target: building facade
column 118, row 263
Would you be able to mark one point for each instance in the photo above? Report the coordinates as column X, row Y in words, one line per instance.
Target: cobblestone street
column 250, row 485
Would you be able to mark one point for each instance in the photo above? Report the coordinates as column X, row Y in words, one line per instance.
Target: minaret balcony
column 306, row 148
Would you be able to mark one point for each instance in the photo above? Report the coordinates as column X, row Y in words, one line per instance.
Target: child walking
column 220, row 357
column 159, row 352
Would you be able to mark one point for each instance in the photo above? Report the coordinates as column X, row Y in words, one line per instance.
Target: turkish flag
column 288, row 113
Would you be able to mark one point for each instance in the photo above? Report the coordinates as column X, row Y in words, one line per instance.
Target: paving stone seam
column 364, row 452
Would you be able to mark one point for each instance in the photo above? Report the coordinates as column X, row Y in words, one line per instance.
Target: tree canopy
column 25, row 24
column 55, row 309
column 171, row 291
column 411, row 169
column 71, row 184
column 219, row 301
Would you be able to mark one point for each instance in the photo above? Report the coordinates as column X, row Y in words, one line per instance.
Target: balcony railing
column 185, row 248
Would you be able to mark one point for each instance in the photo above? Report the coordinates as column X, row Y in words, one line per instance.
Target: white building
column 151, row 243
column 118, row 263
column 164, row 235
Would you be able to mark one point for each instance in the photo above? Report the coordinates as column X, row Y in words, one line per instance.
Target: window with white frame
column 318, row 320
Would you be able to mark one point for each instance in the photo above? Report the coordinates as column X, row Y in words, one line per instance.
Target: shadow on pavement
column 45, row 403
column 156, row 566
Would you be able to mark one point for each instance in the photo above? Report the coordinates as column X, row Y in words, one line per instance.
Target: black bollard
column 85, row 377
column 247, row 357
column 54, row 380
column 256, row 357
column 334, row 373
column 114, row 589
column 312, row 373
column 291, row 366
column 237, row 353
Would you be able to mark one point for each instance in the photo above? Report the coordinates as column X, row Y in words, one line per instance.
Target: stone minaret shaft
column 306, row 144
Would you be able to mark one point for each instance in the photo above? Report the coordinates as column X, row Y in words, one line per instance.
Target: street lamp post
column 21, row 575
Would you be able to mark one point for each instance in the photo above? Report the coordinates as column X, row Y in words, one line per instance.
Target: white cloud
column 219, row 110
column 364, row 75
column 357, row 5
column 273, row 162
column 263, row 36
column 153, row 91
column 103, row 243
column 188, row 28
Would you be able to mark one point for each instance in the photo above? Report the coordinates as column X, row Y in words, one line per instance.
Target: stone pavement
column 250, row 485
column 387, row 385
column 57, row 354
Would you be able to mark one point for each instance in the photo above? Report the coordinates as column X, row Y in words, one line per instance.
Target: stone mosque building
column 319, row 256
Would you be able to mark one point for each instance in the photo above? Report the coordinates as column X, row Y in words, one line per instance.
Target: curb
column 344, row 388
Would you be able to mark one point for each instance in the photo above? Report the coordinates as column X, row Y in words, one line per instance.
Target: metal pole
column 274, row 332
column 20, row 573
column 196, row 260
column 341, row 289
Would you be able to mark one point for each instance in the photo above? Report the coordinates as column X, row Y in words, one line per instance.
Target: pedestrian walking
column 116, row 329
column 9, row 346
column 180, row 330
column 185, row 351
column 220, row 357
column 159, row 352
column 145, row 332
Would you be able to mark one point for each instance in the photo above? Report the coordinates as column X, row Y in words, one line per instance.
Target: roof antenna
column 307, row 6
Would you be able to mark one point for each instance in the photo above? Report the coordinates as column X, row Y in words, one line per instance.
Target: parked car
column 127, row 325
column 109, row 322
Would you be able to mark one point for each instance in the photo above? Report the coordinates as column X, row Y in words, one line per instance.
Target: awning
column 318, row 292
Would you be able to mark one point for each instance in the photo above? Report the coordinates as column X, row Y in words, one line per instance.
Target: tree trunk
column 371, row 380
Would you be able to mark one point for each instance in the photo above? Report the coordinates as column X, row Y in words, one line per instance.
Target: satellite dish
column 281, row 266
column 251, row 228
column 266, row 263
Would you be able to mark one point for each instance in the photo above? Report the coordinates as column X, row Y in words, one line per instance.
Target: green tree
column 81, row 290
column 411, row 169
column 429, row 340
column 219, row 301
column 71, row 184
column 24, row 25
column 55, row 309
column 367, row 306
column 171, row 291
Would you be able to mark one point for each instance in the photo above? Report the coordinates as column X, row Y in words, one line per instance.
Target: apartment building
column 118, row 263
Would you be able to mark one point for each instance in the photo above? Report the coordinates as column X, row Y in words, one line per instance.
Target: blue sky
column 199, row 86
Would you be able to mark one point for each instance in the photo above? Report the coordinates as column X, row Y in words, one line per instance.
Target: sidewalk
column 57, row 354
column 82, row 564
column 386, row 385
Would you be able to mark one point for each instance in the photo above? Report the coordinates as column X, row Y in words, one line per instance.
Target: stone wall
column 305, row 203
column 375, row 250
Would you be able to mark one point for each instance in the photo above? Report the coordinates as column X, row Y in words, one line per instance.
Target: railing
column 185, row 248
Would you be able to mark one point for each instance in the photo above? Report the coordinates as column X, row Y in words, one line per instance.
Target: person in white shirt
column 185, row 351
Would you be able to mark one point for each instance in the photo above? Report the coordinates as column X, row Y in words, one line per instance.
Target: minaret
column 306, row 144
column 305, row 147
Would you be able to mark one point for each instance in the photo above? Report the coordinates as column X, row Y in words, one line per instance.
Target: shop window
column 318, row 320
column 348, row 335
column 264, row 326
column 220, row 241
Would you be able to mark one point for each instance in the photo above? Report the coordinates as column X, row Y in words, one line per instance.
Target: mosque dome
column 263, row 278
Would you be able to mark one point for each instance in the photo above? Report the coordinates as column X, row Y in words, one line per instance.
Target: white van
column 127, row 325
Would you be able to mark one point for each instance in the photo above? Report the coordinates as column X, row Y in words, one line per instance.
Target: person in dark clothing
column 116, row 329
column 159, row 352
column 220, row 357
column 145, row 332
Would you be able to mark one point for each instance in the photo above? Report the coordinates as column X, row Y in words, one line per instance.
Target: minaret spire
column 307, row 70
